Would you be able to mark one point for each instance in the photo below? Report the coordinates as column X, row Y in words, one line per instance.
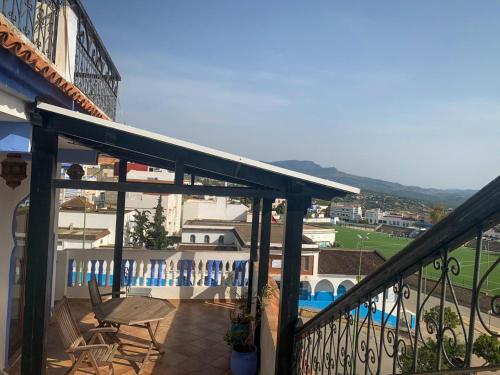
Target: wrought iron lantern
column 75, row 172
column 13, row 170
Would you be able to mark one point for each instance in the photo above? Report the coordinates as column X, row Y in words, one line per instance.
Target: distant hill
column 449, row 197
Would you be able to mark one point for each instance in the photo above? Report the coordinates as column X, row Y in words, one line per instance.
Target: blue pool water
column 322, row 299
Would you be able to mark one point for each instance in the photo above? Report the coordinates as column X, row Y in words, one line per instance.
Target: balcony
column 70, row 50
column 360, row 332
column 173, row 275
column 192, row 337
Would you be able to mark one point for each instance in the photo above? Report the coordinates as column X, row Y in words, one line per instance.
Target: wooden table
column 136, row 311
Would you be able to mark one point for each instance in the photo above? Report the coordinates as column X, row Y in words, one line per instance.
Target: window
column 305, row 263
column 192, row 238
column 207, row 238
column 221, row 239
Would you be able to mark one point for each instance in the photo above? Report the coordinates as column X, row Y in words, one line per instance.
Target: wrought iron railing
column 37, row 19
column 391, row 323
column 95, row 72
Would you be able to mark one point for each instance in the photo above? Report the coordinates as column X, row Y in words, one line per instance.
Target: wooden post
column 120, row 217
column 254, row 239
column 40, row 251
column 290, row 282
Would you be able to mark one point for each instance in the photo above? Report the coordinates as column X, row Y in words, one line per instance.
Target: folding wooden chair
column 91, row 356
column 96, row 300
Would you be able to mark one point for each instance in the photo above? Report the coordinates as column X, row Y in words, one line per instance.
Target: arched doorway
column 343, row 287
column 324, row 291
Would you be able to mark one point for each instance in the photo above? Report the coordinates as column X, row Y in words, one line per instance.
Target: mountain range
column 449, row 197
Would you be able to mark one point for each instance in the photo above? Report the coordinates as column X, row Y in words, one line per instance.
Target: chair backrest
column 66, row 325
column 95, row 295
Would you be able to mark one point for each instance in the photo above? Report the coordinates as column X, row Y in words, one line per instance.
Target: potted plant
column 244, row 353
column 240, row 324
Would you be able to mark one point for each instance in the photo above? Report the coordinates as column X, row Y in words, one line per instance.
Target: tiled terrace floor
column 192, row 337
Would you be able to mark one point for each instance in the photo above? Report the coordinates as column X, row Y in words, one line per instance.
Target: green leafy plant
column 451, row 318
column 238, row 316
column 157, row 234
column 141, row 225
column 427, row 356
column 488, row 348
column 239, row 341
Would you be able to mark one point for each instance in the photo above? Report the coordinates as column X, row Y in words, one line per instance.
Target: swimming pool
column 322, row 299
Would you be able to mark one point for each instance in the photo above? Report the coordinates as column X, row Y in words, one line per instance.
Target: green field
column 388, row 246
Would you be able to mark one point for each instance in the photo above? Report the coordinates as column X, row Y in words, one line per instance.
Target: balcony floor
column 192, row 337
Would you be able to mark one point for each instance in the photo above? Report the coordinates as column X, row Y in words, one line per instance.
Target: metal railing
column 95, row 72
column 356, row 334
column 37, row 20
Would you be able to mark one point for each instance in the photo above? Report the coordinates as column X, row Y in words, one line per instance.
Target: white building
column 234, row 235
column 213, row 208
column 103, row 220
column 83, row 238
column 398, row 220
column 171, row 203
column 374, row 215
column 349, row 212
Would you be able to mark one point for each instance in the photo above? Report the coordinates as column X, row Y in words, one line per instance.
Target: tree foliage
column 280, row 208
column 451, row 318
column 156, row 233
column 488, row 348
column 427, row 356
column 141, row 226
column 438, row 213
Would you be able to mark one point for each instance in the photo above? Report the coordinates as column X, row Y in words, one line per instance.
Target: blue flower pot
column 244, row 363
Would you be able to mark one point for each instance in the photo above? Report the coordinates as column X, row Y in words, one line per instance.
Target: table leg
column 152, row 334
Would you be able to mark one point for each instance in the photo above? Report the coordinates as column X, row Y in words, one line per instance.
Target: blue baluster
column 92, row 270
column 236, row 272
column 182, row 281
column 71, row 274
column 216, row 277
column 243, row 270
column 122, row 281
column 151, row 277
column 209, row 274
column 131, row 273
column 99, row 274
column 189, row 268
column 160, row 272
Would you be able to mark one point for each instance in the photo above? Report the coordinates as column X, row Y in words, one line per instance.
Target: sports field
column 388, row 246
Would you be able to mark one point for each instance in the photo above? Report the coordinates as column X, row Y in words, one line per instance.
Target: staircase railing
column 391, row 322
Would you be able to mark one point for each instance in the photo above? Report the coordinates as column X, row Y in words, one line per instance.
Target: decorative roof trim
column 14, row 41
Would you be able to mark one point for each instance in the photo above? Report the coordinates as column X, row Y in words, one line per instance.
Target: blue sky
column 403, row 91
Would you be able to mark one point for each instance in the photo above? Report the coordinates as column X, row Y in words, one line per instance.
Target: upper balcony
column 57, row 38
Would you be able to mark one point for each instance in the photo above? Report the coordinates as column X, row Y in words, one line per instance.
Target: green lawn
column 388, row 246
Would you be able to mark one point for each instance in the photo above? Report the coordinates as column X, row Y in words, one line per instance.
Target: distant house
column 218, row 208
column 83, row 238
column 235, row 235
column 349, row 212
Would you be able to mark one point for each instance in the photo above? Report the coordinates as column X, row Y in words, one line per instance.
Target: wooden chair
column 96, row 300
column 91, row 356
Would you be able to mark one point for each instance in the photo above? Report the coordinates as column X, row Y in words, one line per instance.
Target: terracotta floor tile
column 192, row 337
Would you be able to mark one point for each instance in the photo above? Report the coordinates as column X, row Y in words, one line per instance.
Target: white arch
column 324, row 285
column 344, row 286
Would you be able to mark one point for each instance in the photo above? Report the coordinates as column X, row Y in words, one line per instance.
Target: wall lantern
column 75, row 172
column 13, row 170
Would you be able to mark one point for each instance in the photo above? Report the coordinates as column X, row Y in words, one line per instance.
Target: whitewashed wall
column 8, row 204
column 219, row 208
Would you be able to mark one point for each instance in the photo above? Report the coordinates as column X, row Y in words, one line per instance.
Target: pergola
column 247, row 178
